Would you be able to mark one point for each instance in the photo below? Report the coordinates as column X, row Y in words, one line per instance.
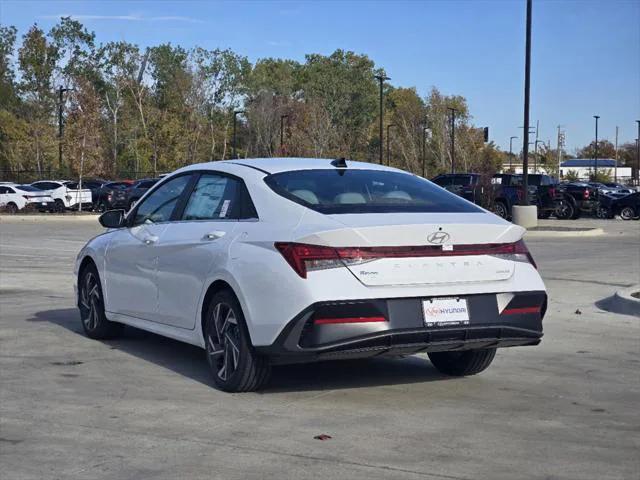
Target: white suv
column 66, row 194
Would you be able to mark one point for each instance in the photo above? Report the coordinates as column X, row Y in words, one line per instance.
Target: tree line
column 127, row 109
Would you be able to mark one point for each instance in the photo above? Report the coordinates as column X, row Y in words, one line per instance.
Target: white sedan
column 285, row 260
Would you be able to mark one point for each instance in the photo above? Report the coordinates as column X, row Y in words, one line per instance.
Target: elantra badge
column 438, row 238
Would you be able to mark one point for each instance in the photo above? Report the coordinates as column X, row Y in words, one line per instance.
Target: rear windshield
column 365, row 191
column 27, row 188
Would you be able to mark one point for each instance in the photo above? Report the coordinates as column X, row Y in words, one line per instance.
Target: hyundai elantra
column 287, row 260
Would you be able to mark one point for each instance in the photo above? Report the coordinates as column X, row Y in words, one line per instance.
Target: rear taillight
column 304, row 258
column 585, row 194
column 552, row 192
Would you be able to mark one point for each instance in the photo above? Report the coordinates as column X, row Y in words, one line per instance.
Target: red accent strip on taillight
column 297, row 253
column 326, row 321
column 514, row 311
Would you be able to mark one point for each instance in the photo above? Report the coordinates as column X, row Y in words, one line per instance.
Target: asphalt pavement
column 143, row 407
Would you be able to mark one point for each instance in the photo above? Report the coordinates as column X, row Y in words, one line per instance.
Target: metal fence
column 29, row 176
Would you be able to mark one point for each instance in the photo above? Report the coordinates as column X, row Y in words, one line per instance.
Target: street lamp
column 425, row 129
column 381, row 79
column 282, row 117
column 511, row 153
column 235, row 119
column 535, row 155
column 389, row 143
column 595, row 163
column 453, row 138
column 527, row 92
column 61, row 92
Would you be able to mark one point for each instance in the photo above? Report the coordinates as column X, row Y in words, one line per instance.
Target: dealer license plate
column 445, row 311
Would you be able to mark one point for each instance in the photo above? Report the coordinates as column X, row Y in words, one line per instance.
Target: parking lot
column 144, row 407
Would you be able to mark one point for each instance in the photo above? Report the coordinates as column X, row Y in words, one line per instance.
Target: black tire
column 463, row 363
column 101, row 207
column 59, row 206
column 627, row 213
column 500, row 209
column 235, row 365
column 12, row 208
column 91, row 306
column 565, row 210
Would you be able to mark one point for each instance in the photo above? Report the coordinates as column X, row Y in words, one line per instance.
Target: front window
column 159, row 205
column 365, row 191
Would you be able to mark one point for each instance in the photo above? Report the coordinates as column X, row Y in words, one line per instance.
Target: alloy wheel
column 627, row 213
column 90, row 301
column 500, row 209
column 223, row 341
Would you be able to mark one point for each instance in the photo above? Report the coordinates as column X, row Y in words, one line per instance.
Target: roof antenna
column 340, row 163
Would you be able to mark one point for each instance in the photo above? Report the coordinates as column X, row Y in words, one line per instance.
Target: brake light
column 304, row 258
column 552, row 192
column 585, row 194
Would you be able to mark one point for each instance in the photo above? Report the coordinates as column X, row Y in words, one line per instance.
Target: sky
column 585, row 53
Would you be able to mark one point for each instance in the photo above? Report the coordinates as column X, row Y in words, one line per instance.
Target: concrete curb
column 623, row 302
column 592, row 232
column 48, row 218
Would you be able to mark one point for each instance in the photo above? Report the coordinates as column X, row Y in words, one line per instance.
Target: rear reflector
column 304, row 258
column 325, row 321
column 521, row 310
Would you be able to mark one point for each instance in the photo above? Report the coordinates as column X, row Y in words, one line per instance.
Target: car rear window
column 365, row 191
column 27, row 188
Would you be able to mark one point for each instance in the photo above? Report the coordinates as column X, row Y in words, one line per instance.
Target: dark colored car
column 465, row 185
column 135, row 192
column 110, row 195
column 543, row 193
column 628, row 207
column 577, row 198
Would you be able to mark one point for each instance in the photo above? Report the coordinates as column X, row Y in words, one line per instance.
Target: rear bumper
column 405, row 332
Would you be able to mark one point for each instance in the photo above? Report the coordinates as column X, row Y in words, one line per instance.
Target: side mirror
column 112, row 219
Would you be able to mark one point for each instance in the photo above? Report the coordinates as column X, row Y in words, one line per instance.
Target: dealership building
column 584, row 167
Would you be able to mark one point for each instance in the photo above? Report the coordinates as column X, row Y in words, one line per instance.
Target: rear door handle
column 214, row 235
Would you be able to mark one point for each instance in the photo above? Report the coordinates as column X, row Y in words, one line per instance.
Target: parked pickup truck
column 505, row 191
column 577, row 198
column 66, row 194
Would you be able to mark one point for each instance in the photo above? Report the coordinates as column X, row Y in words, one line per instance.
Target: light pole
column 235, row 120
column 638, row 154
column 527, row 91
column 595, row 162
column 535, row 155
column 425, row 129
column 389, row 144
column 282, row 117
column 61, row 92
column 453, row 139
column 381, row 79
column 511, row 153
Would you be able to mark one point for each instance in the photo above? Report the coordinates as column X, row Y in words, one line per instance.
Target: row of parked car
column 565, row 200
column 60, row 195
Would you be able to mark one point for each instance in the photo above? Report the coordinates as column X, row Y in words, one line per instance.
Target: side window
column 159, row 206
column 441, row 181
column 214, row 197
column 3, row 190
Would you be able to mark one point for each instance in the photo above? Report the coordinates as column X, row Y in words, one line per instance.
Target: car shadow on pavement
column 189, row 360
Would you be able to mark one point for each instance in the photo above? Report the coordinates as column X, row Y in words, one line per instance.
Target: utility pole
column 282, row 117
column 511, row 153
column 453, row 139
column 560, row 145
column 389, row 144
column 615, row 170
column 527, row 92
column 235, row 120
column 381, row 79
column 595, row 165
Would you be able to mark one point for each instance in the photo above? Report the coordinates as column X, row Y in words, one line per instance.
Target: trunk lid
column 439, row 263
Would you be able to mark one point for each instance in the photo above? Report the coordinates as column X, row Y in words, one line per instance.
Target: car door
column 198, row 243
column 131, row 259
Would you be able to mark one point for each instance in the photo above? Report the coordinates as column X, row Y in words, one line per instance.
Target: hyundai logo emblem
column 438, row 237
